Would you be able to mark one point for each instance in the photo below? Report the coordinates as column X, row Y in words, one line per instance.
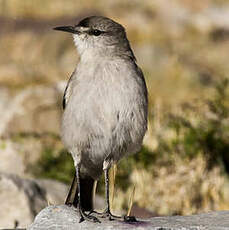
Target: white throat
column 80, row 43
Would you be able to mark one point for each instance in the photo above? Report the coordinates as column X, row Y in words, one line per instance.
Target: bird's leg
column 83, row 215
column 107, row 213
column 72, row 191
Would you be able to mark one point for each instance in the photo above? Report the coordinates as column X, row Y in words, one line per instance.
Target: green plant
column 55, row 166
column 207, row 133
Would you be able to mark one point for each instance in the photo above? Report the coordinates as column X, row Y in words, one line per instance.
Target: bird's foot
column 130, row 219
column 83, row 215
column 68, row 204
column 88, row 217
column 107, row 214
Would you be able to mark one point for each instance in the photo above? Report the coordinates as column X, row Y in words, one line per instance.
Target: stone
column 22, row 153
column 64, row 217
column 21, row 200
column 56, row 192
column 10, row 156
column 4, row 107
column 30, row 109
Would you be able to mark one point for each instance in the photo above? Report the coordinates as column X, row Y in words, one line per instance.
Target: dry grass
column 183, row 187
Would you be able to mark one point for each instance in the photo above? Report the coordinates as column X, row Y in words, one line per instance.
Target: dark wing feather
column 64, row 98
column 67, row 91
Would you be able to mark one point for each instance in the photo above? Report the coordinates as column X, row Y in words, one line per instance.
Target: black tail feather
column 71, row 193
column 86, row 193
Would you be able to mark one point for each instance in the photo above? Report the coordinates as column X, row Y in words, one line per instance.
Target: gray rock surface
column 21, row 200
column 30, row 109
column 9, row 155
column 56, row 192
column 64, row 217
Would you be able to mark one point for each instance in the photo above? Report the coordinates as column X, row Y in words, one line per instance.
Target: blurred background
column 182, row 47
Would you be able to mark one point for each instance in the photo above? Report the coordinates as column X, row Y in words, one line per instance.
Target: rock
column 64, row 217
column 56, row 192
column 9, row 155
column 4, row 107
column 22, row 153
column 177, row 16
column 30, row 109
column 21, row 200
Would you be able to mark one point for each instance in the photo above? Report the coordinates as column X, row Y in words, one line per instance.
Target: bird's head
column 99, row 34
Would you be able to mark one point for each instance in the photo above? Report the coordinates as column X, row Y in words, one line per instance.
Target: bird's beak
column 69, row 29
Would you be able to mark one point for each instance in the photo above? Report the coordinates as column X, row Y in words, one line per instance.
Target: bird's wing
column 141, row 75
column 67, row 91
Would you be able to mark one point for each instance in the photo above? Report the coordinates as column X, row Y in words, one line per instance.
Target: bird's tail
column 86, row 193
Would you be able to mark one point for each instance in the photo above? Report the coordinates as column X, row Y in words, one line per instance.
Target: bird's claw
column 106, row 214
column 130, row 219
column 88, row 217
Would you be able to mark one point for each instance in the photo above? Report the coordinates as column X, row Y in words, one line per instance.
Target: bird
column 105, row 108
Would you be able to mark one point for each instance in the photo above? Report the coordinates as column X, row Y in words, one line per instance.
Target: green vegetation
column 55, row 166
column 202, row 130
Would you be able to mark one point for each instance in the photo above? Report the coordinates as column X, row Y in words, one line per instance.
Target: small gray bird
column 105, row 108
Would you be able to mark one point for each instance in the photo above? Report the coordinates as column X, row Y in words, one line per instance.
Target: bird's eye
column 96, row 32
